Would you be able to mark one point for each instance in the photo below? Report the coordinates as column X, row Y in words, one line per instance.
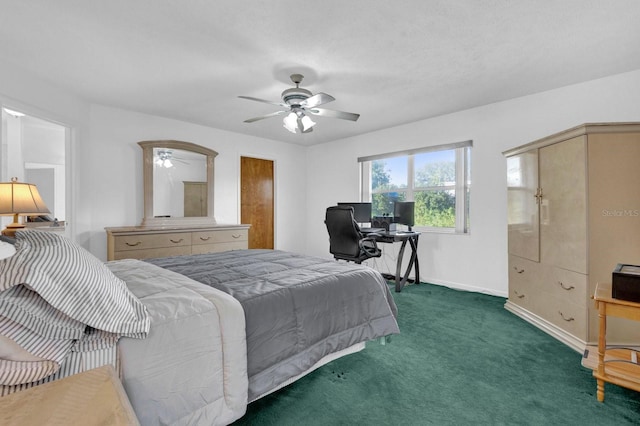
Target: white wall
column 112, row 171
column 477, row 261
column 106, row 167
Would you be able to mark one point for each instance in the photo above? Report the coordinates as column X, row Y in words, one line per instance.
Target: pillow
column 6, row 250
column 41, row 347
column 29, row 309
column 20, row 372
column 11, row 351
column 75, row 282
column 6, row 239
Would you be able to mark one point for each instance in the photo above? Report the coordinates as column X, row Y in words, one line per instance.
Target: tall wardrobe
column 573, row 215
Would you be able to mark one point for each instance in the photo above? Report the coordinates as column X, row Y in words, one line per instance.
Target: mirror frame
column 147, row 168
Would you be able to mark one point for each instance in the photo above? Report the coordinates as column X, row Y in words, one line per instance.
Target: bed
column 225, row 329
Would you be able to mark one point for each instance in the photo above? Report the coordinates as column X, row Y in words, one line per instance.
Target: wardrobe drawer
column 222, row 236
column 524, row 282
column 568, row 316
column 151, row 241
column 566, row 285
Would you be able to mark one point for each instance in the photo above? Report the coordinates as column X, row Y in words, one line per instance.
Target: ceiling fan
column 165, row 158
column 298, row 103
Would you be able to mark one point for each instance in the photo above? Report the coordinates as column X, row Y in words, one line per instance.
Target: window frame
column 462, row 186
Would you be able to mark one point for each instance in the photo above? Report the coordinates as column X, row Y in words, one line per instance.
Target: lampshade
column 307, row 123
column 290, row 122
column 17, row 198
column 298, row 120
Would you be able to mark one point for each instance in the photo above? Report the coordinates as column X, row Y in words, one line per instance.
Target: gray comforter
column 297, row 308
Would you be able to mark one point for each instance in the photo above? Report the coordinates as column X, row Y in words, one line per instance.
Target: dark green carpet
column 461, row 359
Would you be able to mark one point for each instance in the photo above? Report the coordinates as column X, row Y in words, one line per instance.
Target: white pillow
column 75, row 282
column 6, row 250
column 11, row 351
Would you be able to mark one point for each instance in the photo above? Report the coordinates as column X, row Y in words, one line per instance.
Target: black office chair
column 346, row 242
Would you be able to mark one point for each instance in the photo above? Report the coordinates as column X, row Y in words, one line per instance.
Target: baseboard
column 549, row 328
column 461, row 287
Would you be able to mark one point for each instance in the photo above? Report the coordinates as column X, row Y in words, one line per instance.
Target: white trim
column 406, row 152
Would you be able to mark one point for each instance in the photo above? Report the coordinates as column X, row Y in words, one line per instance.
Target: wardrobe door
column 563, row 204
column 522, row 213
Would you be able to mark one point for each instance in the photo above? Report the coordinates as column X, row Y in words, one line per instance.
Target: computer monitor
column 403, row 213
column 361, row 211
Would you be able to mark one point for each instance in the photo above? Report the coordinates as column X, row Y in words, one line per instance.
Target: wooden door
column 256, row 200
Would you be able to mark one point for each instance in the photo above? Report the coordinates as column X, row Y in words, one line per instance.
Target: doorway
column 34, row 150
column 256, row 201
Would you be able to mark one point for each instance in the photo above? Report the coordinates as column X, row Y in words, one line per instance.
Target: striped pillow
column 19, row 372
column 38, row 346
column 28, row 308
column 75, row 282
column 23, row 367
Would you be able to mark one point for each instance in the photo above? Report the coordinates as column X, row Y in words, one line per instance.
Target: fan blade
column 334, row 114
column 265, row 101
column 317, row 99
column 273, row 114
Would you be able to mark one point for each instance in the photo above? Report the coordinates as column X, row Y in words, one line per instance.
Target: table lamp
column 19, row 199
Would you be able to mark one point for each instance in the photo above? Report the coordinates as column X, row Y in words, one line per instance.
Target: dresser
column 144, row 242
column 573, row 214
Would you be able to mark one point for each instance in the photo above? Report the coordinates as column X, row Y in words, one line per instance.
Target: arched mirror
column 178, row 183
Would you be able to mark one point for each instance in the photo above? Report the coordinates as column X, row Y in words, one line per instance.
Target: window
column 436, row 178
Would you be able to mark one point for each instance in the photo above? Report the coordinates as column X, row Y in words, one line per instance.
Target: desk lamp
column 19, row 199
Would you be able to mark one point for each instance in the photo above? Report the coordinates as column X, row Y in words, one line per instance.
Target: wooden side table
column 94, row 397
column 620, row 366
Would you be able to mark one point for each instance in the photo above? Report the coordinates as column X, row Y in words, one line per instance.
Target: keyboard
column 372, row 230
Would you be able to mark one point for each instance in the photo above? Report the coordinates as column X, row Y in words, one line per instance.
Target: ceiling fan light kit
column 163, row 159
column 297, row 103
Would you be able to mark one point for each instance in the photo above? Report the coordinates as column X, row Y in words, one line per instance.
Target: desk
column 615, row 365
column 403, row 237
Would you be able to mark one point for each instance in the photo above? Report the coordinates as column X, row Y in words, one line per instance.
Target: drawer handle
column 133, row 244
column 205, row 239
column 520, row 271
column 566, row 319
column 236, row 235
column 520, row 296
column 176, row 242
column 565, row 287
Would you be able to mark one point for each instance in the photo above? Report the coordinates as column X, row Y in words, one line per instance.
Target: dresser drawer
column 222, row 236
column 152, row 253
column 146, row 242
column 151, row 241
column 218, row 247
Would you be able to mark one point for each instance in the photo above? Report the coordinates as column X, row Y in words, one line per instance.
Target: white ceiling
column 393, row 62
